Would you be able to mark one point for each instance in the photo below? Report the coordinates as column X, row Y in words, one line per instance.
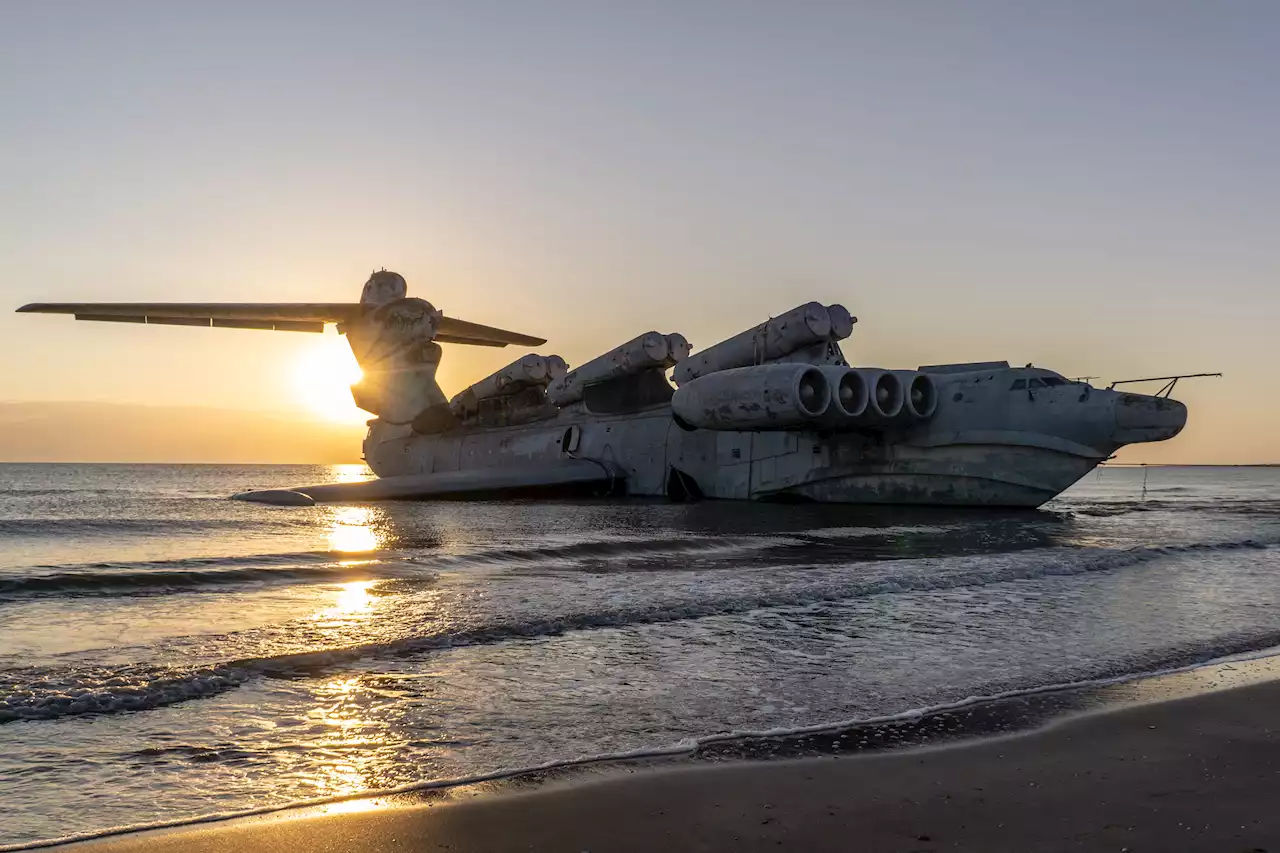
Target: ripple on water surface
column 256, row 655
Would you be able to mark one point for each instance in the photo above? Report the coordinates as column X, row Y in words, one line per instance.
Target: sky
column 1091, row 187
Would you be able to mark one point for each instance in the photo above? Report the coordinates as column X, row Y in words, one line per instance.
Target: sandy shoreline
column 1200, row 773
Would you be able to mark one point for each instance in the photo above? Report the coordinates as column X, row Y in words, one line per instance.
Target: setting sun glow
column 322, row 379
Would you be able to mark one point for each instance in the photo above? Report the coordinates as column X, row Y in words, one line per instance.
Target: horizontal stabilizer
column 271, row 316
column 313, row 312
column 567, row 474
column 454, row 331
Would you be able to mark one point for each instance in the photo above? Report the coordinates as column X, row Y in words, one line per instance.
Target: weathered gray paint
column 985, row 443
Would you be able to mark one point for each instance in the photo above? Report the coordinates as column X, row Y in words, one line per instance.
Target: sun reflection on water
column 350, row 473
column 353, row 598
column 351, row 529
column 352, row 747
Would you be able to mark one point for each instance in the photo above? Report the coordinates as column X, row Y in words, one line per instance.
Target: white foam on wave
column 44, row 700
column 683, row 747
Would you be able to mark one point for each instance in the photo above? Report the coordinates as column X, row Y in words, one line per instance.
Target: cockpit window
column 1037, row 382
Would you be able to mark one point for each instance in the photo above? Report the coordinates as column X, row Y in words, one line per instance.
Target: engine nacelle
column 849, row 396
column 920, row 394
column 892, row 397
column 761, row 397
column 647, row 351
column 885, row 395
column 800, row 327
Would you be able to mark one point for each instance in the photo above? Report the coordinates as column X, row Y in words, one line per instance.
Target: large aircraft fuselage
column 993, row 441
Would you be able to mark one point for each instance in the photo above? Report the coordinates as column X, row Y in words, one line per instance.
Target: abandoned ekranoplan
column 775, row 412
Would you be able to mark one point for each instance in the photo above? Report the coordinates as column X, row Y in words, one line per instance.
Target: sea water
column 167, row 653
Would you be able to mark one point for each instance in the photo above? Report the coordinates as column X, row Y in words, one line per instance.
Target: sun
column 322, row 379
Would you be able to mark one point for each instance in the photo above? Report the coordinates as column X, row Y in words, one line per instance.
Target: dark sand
column 1199, row 774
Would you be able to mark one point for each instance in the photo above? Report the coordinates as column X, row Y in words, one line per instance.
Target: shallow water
column 167, row 653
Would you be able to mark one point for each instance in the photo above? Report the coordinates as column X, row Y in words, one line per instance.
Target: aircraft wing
column 280, row 316
column 453, row 331
column 276, row 316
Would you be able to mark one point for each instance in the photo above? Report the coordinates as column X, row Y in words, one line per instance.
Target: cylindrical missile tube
column 647, row 351
column 841, row 322
column 556, row 367
column 762, row 397
column 527, row 370
column 801, row 326
column 678, row 349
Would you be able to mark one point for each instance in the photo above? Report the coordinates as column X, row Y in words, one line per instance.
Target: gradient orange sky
column 1092, row 187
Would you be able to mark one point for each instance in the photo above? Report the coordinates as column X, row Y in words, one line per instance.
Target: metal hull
column 1025, row 470
column 991, row 443
column 955, row 476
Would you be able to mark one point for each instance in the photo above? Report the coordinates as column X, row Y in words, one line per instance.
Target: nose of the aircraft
column 1140, row 417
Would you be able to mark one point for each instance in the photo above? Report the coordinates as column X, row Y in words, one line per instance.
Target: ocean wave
column 839, row 533
column 1057, row 562
column 607, row 551
column 159, row 581
column 161, row 576
column 1107, row 509
column 102, row 692
column 44, row 696
column 60, row 527
column 690, row 747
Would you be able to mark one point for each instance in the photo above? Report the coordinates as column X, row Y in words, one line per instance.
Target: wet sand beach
column 1193, row 774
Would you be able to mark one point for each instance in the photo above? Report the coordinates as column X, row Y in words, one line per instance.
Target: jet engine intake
column 849, row 396
column 885, row 395
column 920, row 394
column 760, row 397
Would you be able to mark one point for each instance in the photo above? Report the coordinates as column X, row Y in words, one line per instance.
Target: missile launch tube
column 841, row 322
column 526, row 370
column 800, row 327
column 678, row 348
column 761, row 397
column 556, row 367
column 647, row 351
